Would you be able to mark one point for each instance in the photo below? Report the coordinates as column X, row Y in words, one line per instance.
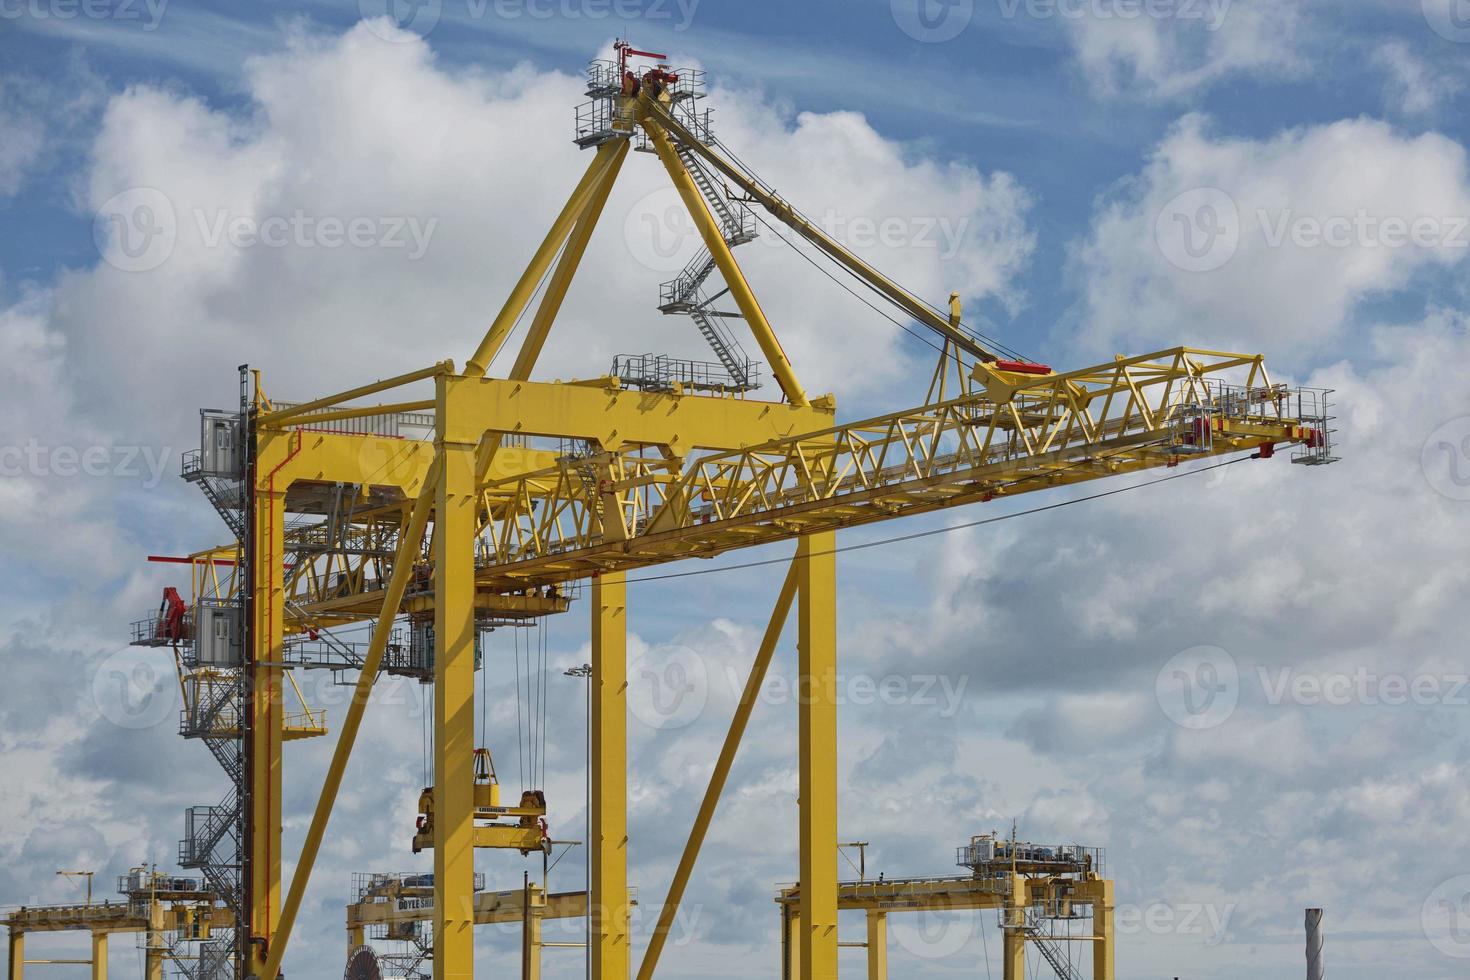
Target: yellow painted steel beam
column 521, row 294
column 877, row 945
column 153, row 955
column 17, row 955
column 397, row 585
column 287, row 415
column 1104, row 950
column 110, row 917
column 367, row 411
column 817, row 734
column 608, row 834
column 614, row 416
column 1013, row 951
column 99, row 956
column 566, row 268
column 367, row 604
column 267, row 721
column 714, row 240
column 1118, row 418
column 490, row 908
column 791, row 964
column 531, row 945
column 657, row 115
column 455, row 524
column 333, row 457
column 748, row 698
column 556, row 291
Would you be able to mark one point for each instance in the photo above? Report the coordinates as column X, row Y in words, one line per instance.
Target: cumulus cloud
column 1329, row 591
column 1170, row 51
column 1270, row 242
column 1411, row 84
column 452, row 177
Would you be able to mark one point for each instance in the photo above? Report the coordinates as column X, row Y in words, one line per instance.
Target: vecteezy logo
column 1450, row 19
column 1445, row 459
column 1199, row 230
column 1445, row 918
column 1199, row 688
column 932, row 21
column 400, row 20
column 668, row 687
column 659, row 232
column 135, row 230
column 133, row 692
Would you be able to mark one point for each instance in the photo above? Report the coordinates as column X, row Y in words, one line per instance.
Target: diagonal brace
column 718, row 778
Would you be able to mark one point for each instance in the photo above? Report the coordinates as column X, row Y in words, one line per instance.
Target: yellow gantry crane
column 171, row 916
column 434, row 518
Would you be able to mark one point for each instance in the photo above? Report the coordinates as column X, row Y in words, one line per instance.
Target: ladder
column 225, row 496
column 685, row 295
column 1053, row 955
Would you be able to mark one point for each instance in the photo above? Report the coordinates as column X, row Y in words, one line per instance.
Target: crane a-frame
column 484, row 520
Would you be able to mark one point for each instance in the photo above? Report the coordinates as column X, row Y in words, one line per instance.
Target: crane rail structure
column 436, row 516
column 171, row 915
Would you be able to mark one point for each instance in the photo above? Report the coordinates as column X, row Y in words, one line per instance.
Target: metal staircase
column 685, row 295
column 226, row 496
column 1053, row 956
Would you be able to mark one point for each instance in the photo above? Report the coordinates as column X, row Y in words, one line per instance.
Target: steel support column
column 99, row 956
column 17, row 955
column 791, row 945
column 877, row 944
column 608, row 835
column 1012, row 914
column 817, row 693
column 1102, row 930
column 454, row 709
column 267, row 714
column 531, row 945
column 403, row 564
column 153, row 955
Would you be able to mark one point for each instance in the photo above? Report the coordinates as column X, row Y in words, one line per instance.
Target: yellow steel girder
column 612, row 416
column 1128, row 415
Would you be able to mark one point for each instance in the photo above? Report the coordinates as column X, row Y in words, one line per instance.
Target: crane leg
column 99, row 956
column 609, row 834
column 877, row 945
column 17, row 955
column 1102, row 930
column 791, row 946
column 532, row 940
column 454, row 713
column 1015, row 955
column 1014, row 952
column 817, row 693
column 267, row 721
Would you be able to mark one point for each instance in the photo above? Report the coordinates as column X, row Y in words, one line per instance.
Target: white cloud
column 1411, row 84
column 1235, row 243
column 358, row 128
column 1187, row 47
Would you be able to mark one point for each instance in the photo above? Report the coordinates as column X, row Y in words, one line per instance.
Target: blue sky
column 1068, row 148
